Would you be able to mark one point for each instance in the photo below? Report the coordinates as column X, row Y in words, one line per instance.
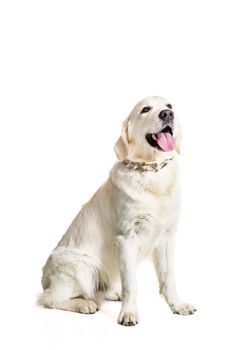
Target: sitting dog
column 131, row 217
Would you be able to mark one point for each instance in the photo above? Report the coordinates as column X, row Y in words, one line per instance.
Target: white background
column 70, row 73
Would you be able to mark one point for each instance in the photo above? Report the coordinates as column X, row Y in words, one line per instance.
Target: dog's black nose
column 166, row 115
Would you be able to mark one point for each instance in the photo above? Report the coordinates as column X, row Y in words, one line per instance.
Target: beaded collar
column 142, row 166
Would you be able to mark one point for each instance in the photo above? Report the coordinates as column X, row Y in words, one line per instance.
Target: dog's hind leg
column 71, row 284
column 60, row 295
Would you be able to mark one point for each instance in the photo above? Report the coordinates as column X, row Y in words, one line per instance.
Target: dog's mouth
column 163, row 140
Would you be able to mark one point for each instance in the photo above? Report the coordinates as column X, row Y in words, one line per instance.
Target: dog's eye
column 146, row 109
column 169, row 106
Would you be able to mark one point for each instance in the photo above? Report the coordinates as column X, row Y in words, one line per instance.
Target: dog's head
column 151, row 128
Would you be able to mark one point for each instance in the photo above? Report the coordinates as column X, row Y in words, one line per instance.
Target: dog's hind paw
column 114, row 296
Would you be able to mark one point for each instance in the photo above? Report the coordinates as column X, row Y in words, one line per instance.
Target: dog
column 133, row 216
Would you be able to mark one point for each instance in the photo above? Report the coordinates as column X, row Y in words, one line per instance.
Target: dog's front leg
column 127, row 249
column 164, row 265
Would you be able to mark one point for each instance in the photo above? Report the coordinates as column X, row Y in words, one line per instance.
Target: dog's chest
column 146, row 204
column 156, row 212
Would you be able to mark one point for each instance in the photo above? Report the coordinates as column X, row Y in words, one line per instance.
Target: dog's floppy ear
column 178, row 138
column 121, row 146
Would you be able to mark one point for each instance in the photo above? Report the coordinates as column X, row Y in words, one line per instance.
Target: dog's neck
column 142, row 166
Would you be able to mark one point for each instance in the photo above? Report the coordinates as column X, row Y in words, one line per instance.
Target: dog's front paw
column 182, row 309
column 128, row 318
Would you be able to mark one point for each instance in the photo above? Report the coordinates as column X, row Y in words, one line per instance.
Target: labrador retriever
column 132, row 216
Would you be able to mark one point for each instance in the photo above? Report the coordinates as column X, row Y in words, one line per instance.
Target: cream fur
column 131, row 217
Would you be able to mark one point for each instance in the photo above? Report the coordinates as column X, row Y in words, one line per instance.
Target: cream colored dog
column 132, row 216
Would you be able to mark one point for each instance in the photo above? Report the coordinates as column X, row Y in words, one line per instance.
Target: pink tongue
column 166, row 141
